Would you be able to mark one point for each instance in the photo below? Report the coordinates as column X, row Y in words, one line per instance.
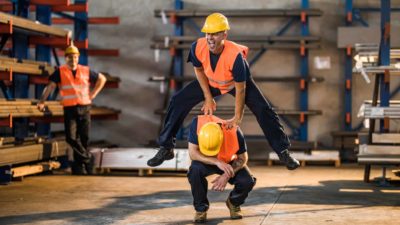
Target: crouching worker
column 216, row 150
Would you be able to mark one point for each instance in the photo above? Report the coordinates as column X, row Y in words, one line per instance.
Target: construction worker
column 74, row 82
column 221, row 67
column 214, row 149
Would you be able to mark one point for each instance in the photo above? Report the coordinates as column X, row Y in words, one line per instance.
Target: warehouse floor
column 310, row 195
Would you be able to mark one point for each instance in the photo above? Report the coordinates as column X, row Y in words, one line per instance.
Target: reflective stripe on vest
column 66, row 87
column 230, row 144
column 74, row 90
column 222, row 77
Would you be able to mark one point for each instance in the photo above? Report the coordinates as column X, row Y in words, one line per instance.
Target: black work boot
column 90, row 167
column 162, row 154
column 77, row 168
column 290, row 162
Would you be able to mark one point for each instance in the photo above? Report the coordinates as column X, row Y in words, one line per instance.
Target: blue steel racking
column 382, row 82
column 299, row 133
column 20, row 48
column 20, row 88
column 43, row 53
column 353, row 14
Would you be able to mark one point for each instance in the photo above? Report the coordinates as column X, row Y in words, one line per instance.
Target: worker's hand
column 91, row 96
column 228, row 169
column 219, row 183
column 41, row 107
column 231, row 123
column 209, row 106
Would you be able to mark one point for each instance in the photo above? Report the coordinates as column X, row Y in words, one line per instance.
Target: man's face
column 215, row 41
column 72, row 60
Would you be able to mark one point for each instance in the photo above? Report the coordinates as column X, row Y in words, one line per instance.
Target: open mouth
column 211, row 44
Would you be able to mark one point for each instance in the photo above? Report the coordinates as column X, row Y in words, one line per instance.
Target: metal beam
column 43, row 53
column 81, row 31
column 21, row 81
column 384, row 58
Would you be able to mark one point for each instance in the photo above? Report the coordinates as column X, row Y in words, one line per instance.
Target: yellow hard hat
column 210, row 139
column 72, row 49
column 215, row 22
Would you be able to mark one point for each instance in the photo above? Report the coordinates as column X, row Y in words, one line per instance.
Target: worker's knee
column 248, row 183
column 196, row 170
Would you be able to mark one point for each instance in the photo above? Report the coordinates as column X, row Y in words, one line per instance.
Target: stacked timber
column 18, row 154
column 27, row 108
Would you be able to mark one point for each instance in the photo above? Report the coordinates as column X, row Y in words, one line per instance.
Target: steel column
column 81, row 31
column 348, row 67
column 304, row 70
column 384, row 56
column 43, row 53
column 20, row 81
column 178, row 57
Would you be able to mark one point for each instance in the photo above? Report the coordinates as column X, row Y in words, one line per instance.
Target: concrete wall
column 138, row 98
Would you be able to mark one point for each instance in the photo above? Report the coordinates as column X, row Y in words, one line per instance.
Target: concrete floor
column 310, row 195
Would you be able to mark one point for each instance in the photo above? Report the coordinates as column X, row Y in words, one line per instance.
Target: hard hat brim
column 211, row 31
column 212, row 152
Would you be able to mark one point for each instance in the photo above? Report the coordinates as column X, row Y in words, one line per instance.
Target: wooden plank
column 34, row 169
column 389, row 138
column 30, row 69
column 20, row 101
column 25, row 61
column 349, row 36
column 30, row 153
column 54, row 112
column 29, row 25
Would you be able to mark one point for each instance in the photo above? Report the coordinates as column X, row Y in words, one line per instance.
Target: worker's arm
column 209, row 105
column 101, row 81
column 45, row 94
column 195, row 155
column 240, row 162
column 219, row 183
column 240, row 90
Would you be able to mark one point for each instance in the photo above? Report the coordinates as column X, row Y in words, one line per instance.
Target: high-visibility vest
column 230, row 143
column 222, row 77
column 74, row 90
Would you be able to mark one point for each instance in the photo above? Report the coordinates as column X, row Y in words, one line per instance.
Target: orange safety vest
column 222, row 77
column 74, row 90
column 230, row 143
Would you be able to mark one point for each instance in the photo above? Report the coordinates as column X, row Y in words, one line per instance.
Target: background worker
column 221, row 67
column 218, row 150
column 74, row 82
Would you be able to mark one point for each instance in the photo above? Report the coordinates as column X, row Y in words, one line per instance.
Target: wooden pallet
column 108, row 159
column 142, row 172
column 319, row 156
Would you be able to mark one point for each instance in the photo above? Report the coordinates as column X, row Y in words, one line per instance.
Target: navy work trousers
column 243, row 183
column 77, row 125
column 183, row 101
